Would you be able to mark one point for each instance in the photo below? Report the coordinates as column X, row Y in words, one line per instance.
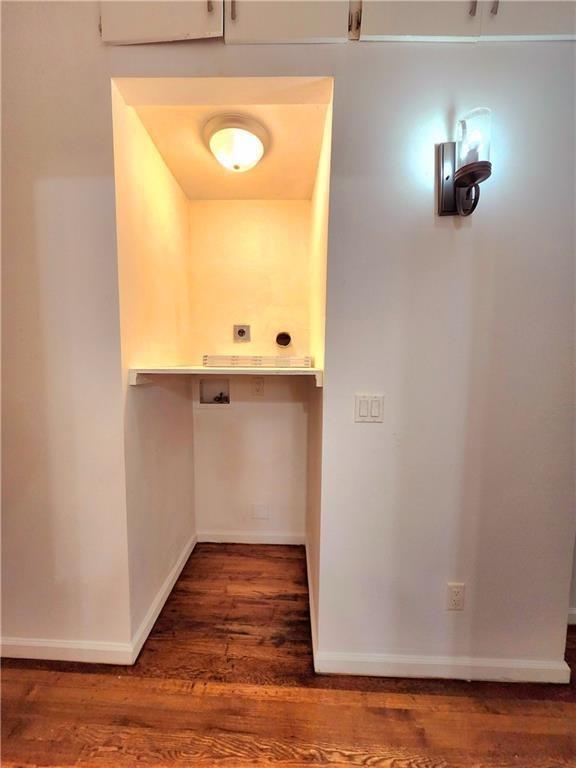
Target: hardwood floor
column 226, row 679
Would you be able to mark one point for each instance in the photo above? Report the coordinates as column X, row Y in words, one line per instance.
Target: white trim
column 288, row 41
column 565, row 37
column 66, row 650
column 452, row 667
column 418, row 39
column 467, row 38
column 251, row 537
column 313, row 627
column 139, row 637
column 572, row 615
column 97, row 652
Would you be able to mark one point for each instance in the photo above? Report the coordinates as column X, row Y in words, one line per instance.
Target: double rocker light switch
column 369, row 408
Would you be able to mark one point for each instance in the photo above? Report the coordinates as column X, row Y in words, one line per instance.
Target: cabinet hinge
column 355, row 20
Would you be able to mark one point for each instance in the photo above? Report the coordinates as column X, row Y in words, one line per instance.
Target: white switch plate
column 369, row 408
column 455, row 593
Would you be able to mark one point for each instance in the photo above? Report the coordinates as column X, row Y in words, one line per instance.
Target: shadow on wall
column 59, row 335
column 159, row 484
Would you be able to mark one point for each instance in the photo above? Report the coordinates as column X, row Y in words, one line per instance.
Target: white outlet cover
column 258, row 386
column 455, row 596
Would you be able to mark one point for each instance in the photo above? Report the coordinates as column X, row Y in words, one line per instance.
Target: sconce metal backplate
column 445, row 166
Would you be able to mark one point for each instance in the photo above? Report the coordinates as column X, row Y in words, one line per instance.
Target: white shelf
column 137, row 376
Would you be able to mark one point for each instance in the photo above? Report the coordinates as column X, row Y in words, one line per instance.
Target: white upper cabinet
column 486, row 20
column 529, row 20
column 286, row 21
column 155, row 21
column 452, row 20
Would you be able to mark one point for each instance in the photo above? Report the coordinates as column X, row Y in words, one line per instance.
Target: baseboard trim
column 451, row 667
column 96, row 652
column 251, row 537
column 141, row 634
column 572, row 615
column 312, row 607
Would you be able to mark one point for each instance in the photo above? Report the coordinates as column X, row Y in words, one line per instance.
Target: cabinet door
column 450, row 20
column 286, row 21
column 154, row 21
column 518, row 20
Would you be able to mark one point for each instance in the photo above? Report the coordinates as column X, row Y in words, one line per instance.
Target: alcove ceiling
column 287, row 170
column 174, row 112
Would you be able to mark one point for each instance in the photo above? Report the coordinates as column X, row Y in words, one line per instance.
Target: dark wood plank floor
column 226, row 679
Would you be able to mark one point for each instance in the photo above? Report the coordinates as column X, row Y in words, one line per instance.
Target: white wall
column 313, row 505
column 153, row 247
column 465, row 326
column 572, row 612
column 320, row 209
column 153, row 241
column 249, row 264
column 65, row 570
column 250, row 461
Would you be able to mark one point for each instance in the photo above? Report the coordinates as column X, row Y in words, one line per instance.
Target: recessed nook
column 222, row 302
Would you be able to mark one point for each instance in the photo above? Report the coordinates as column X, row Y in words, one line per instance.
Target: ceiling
column 286, row 172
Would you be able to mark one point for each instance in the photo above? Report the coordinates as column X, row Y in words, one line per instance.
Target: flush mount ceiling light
column 236, row 141
column 463, row 164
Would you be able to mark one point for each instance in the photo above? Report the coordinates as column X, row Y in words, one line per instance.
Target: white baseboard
column 451, row 667
column 66, row 650
column 139, row 638
column 572, row 615
column 251, row 537
column 97, row 652
column 313, row 627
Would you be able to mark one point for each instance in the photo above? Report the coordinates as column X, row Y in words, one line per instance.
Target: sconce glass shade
column 473, row 137
column 473, row 147
column 237, row 142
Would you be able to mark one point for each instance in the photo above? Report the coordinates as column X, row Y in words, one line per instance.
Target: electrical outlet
column 455, row 596
column 241, row 333
column 258, row 386
column 260, row 512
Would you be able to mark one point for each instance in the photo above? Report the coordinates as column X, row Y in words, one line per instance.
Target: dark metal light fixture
column 463, row 164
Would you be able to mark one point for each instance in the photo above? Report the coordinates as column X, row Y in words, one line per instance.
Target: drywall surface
column 64, row 564
column 466, row 326
column 320, row 205
column 159, row 445
column 155, row 310
column 313, row 505
column 572, row 609
column 250, row 461
column 249, row 265
column 153, row 247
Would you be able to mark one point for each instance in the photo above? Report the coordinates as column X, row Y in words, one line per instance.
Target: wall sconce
column 463, row 164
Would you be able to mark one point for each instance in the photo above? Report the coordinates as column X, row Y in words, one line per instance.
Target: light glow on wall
column 427, row 133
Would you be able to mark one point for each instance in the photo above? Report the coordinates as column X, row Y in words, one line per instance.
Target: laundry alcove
column 202, row 249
